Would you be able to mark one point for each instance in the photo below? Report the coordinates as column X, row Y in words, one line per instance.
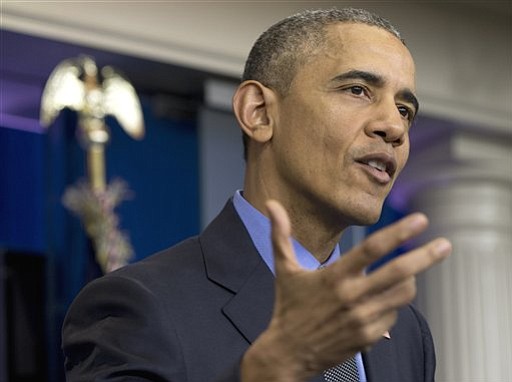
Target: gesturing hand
column 323, row 317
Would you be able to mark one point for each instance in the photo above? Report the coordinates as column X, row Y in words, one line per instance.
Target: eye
column 405, row 112
column 356, row 90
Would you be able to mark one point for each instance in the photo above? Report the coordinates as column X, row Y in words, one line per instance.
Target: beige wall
column 463, row 50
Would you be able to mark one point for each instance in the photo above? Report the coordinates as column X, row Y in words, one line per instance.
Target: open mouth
column 377, row 165
column 381, row 166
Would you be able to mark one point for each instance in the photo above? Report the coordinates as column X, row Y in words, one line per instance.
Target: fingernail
column 443, row 247
column 418, row 221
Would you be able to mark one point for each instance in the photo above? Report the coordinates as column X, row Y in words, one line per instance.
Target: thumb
column 284, row 255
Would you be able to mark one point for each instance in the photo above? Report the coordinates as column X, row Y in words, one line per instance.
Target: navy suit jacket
column 189, row 313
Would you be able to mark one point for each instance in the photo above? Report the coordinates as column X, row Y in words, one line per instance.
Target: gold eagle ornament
column 75, row 84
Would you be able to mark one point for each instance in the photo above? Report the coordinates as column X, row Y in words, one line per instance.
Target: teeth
column 378, row 165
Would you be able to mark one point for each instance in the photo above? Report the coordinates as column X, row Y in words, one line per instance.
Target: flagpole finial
column 77, row 84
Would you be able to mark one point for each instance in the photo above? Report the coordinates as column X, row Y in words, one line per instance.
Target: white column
column 463, row 182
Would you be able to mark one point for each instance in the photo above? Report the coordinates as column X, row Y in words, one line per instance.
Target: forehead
column 356, row 46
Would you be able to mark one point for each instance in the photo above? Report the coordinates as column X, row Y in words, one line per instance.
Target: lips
column 381, row 166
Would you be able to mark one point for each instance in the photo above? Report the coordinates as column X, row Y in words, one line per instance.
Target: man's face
column 341, row 135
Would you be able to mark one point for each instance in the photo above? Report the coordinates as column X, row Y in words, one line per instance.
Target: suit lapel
column 232, row 261
column 250, row 309
column 380, row 363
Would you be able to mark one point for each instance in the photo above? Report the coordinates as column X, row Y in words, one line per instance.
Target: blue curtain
column 35, row 169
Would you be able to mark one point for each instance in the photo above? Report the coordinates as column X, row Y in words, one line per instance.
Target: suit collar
column 231, row 260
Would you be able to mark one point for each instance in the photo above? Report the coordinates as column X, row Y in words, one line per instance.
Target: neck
column 318, row 232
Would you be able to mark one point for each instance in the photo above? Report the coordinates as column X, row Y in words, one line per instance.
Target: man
column 326, row 104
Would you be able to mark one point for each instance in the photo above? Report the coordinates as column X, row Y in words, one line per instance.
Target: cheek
column 403, row 155
column 340, row 134
column 333, row 149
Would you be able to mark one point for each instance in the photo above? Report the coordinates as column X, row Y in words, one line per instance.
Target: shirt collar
column 258, row 226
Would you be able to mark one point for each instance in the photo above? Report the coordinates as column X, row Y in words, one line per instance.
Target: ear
column 254, row 106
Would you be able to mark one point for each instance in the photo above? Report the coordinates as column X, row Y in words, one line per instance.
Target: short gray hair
column 281, row 49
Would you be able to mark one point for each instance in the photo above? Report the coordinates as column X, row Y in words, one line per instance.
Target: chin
column 365, row 215
column 361, row 211
column 370, row 220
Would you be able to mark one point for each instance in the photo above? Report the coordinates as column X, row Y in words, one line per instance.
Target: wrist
column 270, row 359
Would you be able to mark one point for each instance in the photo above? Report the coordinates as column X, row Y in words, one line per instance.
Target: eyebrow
column 369, row 77
column 376, row 80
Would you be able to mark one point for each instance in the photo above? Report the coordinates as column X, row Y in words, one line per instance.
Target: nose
column 388, row 124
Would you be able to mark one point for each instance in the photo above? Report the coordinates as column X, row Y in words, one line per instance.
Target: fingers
column 284, row 256
column 371, row 318
column 408, row 265
column 356, row 287
column 375, row 330
column 383, row 242
column 375, row 306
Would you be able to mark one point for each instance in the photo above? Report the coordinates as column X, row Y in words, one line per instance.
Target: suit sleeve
column 115, row 331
